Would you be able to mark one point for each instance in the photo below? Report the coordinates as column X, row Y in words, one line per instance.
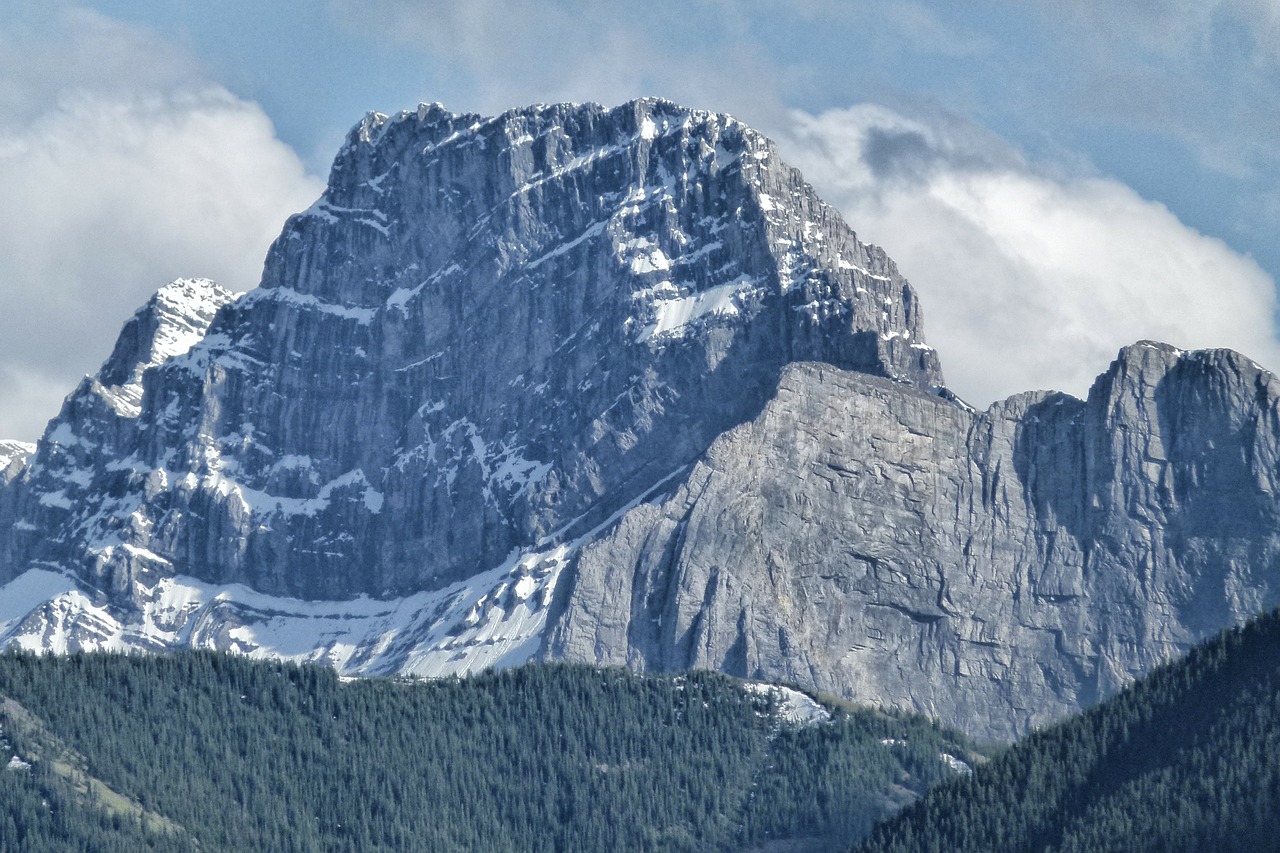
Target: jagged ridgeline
column 215, row 752
column 1184, row 760
column 485, row 333
column 614, row 386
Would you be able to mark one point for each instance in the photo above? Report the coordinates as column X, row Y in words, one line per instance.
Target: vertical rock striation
column 995, row 570
column 614, row 385
column 487, row 332
column 76, row 501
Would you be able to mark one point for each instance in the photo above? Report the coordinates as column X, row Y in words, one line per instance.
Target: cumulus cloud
column 118, row 179
column 1028, row 280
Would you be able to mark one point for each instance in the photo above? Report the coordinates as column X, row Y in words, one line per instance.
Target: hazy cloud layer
column 1206, row 72
column 118, row 176
column 1028, row 280
column 503, row 55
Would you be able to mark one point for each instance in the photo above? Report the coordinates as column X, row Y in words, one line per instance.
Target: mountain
column 615, row 386
column 213, row 752
column 486, row 332
column 995, row 570
column 1183, row 760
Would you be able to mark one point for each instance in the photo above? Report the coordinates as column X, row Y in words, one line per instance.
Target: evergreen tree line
column 1186, row 759
column 251, row 755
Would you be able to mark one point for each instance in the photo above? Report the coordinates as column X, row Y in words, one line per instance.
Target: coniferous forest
column 214, row 752
column 1187, row 759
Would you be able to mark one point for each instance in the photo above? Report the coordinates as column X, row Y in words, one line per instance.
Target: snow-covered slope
column 13, row 452
column 791, row 706
column 494, row 618
column 169, row 325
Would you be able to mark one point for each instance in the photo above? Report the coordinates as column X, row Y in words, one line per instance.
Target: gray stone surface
column 613, row 385
column 488, row 331
column 76, row 497
column 994, row 570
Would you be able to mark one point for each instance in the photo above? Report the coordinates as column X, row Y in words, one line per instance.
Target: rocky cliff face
column 73, row 504
column 615, row 386
column 995, row 570
column 487, row 332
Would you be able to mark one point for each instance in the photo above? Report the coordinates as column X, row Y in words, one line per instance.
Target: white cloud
column 47, row 49
column 115, row 183
column 1028, row 280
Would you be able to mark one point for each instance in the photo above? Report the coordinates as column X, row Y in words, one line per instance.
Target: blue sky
column 1056, row 178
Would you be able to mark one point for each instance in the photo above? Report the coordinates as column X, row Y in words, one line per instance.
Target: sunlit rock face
column 486, row 333
column 614, row 385
column 996, row 570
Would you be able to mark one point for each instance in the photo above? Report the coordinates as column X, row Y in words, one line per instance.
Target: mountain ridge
column 403, row 333
column 614, row 385
column 995, row 570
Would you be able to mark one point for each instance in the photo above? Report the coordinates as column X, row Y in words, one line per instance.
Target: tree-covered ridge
column 223, row 753
column 1187, row 759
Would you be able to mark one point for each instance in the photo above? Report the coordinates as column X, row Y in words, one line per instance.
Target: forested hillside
column 223, row 753
column 1188, row 759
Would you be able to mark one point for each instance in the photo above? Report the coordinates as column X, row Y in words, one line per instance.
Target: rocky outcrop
column 486, row 333
column 995, row 570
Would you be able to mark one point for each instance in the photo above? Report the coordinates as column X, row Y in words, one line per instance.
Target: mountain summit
column 614, row 385
column 487, row 332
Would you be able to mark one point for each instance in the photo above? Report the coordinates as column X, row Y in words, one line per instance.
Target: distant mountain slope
column 1184, row 760
column 227, row 754
column 995, row 570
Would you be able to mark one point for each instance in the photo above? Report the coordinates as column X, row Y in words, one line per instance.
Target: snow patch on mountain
column 306, row 300
column 493, row 619
column 674, row 315
column 793, row 707
column 180, row 312
column 13, row 453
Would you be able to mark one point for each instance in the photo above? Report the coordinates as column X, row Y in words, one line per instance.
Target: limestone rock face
column 486, row 333
column 72, row 502
column 614, row 385
column 995, row 570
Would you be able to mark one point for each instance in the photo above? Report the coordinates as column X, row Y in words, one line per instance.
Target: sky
column 1057, row 179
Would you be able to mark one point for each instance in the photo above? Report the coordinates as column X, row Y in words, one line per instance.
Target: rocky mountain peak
column 487, row 333
column 614, row 385
column 171, row 322
column 695, row 209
